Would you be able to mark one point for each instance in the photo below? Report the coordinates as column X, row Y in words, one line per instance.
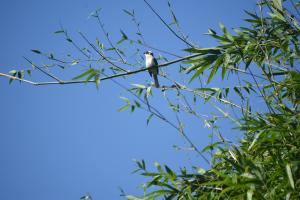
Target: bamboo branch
column 156, row 49
column 99, row 52
column 61, row 82
column 108, row 77
column 42, row 70
column 16, row 78
column 108, row 39
column 163, row 21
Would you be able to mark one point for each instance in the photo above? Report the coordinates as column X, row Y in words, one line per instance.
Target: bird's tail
column 156, row 81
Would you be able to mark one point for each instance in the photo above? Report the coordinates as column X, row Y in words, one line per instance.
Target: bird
column 152, row 65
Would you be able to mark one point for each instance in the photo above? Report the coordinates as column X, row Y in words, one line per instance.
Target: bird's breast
column 149, row 62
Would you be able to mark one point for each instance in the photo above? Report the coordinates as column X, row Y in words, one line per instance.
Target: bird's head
column 148, row 53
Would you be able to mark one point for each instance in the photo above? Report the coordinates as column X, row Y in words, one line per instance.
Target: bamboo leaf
column 128, row 12
column 85, row 73
column 199, row 71
column 212, row 73
column 139, row 86
column 149, row 118
column 290, row 175
column 123, row 107
column 211, row 50
column 59, row 31
column 36, row 51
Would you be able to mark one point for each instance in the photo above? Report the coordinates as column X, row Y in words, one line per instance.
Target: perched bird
column 152, row 64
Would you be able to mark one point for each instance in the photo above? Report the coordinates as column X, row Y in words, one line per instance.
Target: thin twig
column 42, row 70
column 185, row 37
column 271, row 110
column 16, row 78
column 103, row 56
column 74, row 44
column 156, row 49
column 128, row 73
column 110, row 77
column 143, row 42
column 295, row 7
column 137, row 24
column 189, row 140
column 163, row 21
column 158, row 114
column 108, row 39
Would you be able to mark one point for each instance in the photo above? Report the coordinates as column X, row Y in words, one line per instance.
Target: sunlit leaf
column 85, row 73
column 290, row 175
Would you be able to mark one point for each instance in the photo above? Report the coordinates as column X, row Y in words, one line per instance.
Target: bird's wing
column 155, row 61
column 156, row 64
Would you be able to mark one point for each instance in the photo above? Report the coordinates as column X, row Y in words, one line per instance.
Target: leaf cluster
column 265, row 164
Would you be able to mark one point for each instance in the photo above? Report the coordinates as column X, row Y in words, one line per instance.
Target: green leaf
column 91, row 75
column 132, row 108
column 97, row 80
column 215, row 68
column 175, row 21
column 59, row 31
column 149, row 118
column 249, row 194
column 123, row 38
column 141, row 164
column 211, row 50
column 157, row 193
column 28, row 72
column 69, row 40
column 224, row 70
column 238, row 91
column 131, row 197
column 111, row 49
column 86, row 197
column 170, row 172
column 128, row 13
column 149, row 92
column 223, row 28
column 158, row 166
column 85, row 73
column 75, row 62
column 123, row 108
column 277, row 4
column 212, row 73
column 139, row 86
column 277, row 15
column 13, row 72
column 212, row 89
column 211, row 147
column 254, row 140
column 251, row 14
column 199, row 71
column 36, row 51
column 211, row 32
column 200, row 170
column 290, row 175
column 137, row 104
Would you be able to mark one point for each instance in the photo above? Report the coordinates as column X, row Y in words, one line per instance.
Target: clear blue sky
column 59, row 142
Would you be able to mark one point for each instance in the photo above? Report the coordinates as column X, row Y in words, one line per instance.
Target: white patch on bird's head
column 148, row 53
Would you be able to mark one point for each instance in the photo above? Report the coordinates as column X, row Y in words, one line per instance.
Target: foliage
column 266, row 162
